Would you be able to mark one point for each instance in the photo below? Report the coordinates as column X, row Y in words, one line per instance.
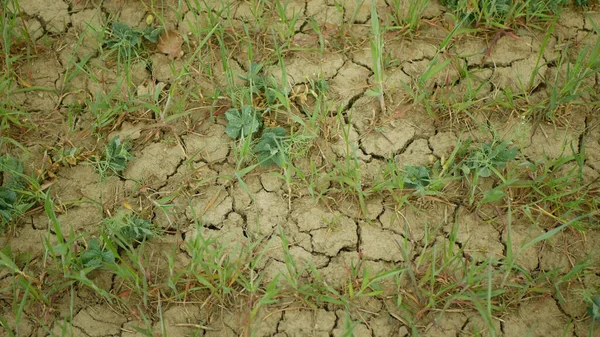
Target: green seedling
column 264, row 86
column 320, row 86
column 127, row 39
column 377, row 53
column 8, row 199
column 416, row 177
column 578, row 79
column 593, row 308
column 95, row 255
column 242, row 123
column 270, row 149
column 253, row 75
column 503, row 14
column 13, row 200
column 114, row 159
column 489, row 159
column 407, row 19
column 65, row 156
column 128, row 229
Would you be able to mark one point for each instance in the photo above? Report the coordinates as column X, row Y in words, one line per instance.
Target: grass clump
column 503, row 14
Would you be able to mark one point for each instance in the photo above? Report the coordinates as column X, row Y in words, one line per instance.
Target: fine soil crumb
column 380, row 244
column 299, row 323
column 269, row 211
column 54, row 14
column 538, row 318
column 389, row 140
column 446, row 325
column 481, row 240
column 521, row 235
column 83, row 218
column 418, row 153
column 271, row 181
column 97, row 321
column 340, row 234
column 443, row 144
column 209, row 143
column 210, row 206
column 155, row 163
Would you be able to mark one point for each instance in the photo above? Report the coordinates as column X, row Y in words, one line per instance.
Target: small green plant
column 407, row 19
column 485, row 161
column 593, row 308
column 114, row 159
column 489, row 159
column 65, row 156
column 573, row 80
column 127, row 229
column 254, row 77
column 271, row 149
column 127, row 40
column 242, row 123
column 264, row 86
column 416, row 177
column 503, row 14
column 12, row 201
column 7, row 203
column 95, row 255
column 377, row 54
column 320, row 86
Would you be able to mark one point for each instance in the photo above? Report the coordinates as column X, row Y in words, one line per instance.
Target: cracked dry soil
column 189, row 159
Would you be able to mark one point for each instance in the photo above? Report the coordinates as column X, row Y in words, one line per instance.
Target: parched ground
column 332, row 244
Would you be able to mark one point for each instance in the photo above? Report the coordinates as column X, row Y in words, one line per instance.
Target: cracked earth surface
column 189, row 159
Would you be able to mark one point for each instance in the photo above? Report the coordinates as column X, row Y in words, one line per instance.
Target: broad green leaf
column 492, row 195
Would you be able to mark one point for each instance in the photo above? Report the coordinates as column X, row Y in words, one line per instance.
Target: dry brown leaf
column 170, row 43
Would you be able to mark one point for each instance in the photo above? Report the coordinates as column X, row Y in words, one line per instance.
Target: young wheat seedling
column 377, row 53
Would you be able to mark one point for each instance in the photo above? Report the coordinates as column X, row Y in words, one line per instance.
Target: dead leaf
column 170, row 43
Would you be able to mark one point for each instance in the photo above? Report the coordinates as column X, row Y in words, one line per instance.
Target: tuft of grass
column 505, row 14
column 377, row 54
column 406, row 16
column 573, row 82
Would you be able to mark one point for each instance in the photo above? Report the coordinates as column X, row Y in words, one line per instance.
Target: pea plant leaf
column 242, row 123
column 95, row 255
column 152, row 34
column 594, row 308
column 416, row 177
column 491, row 156
column 270, row 149
column 7, row 201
